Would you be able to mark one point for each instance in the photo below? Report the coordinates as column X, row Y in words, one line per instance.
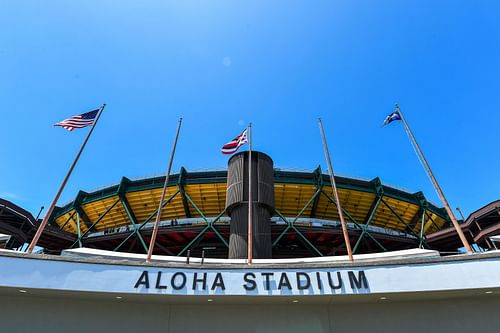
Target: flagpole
column 250, row 198
column 163, row 194
column 41, row 227
column 336, row 194
column 435, row 183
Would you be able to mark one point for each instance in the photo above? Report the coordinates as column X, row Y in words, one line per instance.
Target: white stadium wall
column 416, row 293
column 24, row 313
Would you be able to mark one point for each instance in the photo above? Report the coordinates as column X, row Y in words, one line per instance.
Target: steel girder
column 290, row 223
column 318, row 180
column 209, row 224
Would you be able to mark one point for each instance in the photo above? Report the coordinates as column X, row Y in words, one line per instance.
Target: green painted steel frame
column 186, row 201
column 68, row 220
column 133, row 220
column 78, row 229
column 317, row 179
column 146, row 221
column 291, row 177
column 353, row 220
column 210, row 224
column 408, row 228
column 79, row 240
column 291, row 223
column 371, row 215
column 422, row 223
column 291, row 226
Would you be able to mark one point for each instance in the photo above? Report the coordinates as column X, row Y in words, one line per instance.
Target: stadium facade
column 407, row 271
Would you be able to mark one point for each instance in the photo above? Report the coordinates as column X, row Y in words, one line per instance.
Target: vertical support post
column 250, row 198
column 160, row 207
column 80, row 238
column 435, row 183
column 79, row 231
column 335, row 192
column 424, row 211
column 63, row 184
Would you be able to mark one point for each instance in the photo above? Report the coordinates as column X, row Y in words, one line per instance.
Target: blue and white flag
column 392, row 117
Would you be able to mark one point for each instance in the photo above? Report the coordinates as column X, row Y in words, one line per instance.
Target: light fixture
column 383, row 298
column 118, row 297
column 210, row 300
column 23, row 291
column 295, row 301
column 488, row 292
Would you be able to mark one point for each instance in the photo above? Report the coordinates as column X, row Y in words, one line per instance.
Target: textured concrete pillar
column 263, row 204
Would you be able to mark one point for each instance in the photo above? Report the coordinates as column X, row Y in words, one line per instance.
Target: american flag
column 79, row 121
column 233, row 145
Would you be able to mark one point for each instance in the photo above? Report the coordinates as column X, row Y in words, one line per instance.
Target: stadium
column 407, row 258
column 304, row 223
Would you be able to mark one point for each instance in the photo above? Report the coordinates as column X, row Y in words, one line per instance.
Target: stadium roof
column 203, row 194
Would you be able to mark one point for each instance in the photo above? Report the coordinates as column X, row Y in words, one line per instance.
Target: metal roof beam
column 379, row 189
column 299, row 178
column 67, row 221
column 133, row 220
column 180, row 184
column 414, row 220
column 353, row 220
column 78, row 230
column 77, row 205
column 146, row 221
column 84, row 217
column 290, row 223
column 422, row 223
column 97, row 221
column 319, row 186
column 407, row 227
column 371, row 213
column 422, row 211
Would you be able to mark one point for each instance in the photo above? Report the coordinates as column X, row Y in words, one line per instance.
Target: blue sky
column 278, row 64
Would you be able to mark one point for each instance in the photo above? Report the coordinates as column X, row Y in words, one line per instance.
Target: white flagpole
column 335, row 192
column 435, row 183
column 250, row 198
column 40, row 229
column 163, row 194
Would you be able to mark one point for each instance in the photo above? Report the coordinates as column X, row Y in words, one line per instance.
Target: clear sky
column 278, row 64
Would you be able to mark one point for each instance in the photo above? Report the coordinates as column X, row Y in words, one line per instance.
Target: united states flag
column 79, row 121
column 233, row 145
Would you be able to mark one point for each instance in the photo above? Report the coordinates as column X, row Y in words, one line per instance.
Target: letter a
column 143, row 280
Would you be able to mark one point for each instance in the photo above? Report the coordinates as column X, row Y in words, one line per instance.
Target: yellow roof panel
column 290, row 199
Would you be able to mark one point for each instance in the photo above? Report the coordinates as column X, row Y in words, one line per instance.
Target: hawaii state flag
column 233, row 145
